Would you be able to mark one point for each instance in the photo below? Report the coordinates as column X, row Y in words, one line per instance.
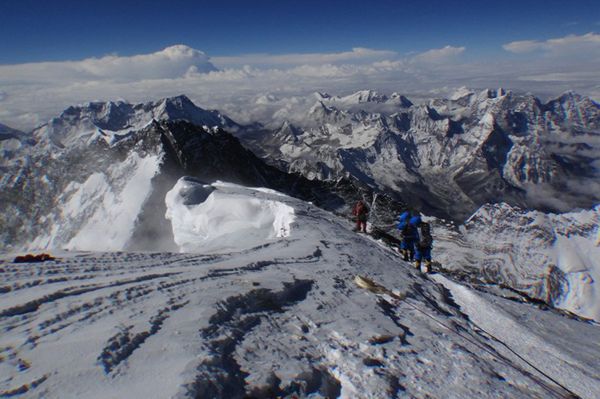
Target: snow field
column 280, row 318
column 536, row 336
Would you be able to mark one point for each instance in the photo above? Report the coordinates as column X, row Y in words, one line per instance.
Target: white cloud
column 564, row 77
column 31, row 94
column 570, row 44
column 357, row 54
column 522, row 46
column 172, row 62
column 439, row 55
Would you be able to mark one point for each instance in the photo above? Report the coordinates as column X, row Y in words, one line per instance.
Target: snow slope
column 100, row 213
column 550, row 257
column 538, row 335
column 270, row 317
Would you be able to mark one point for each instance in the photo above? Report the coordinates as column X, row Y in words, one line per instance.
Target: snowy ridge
column 278, row 319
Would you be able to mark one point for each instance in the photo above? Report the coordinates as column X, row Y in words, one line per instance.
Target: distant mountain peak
column 320, row 108
column 461, row 92
column 400, row 100
column 77, row 124
column 364, row 96
column 573, row 97
column 494, row 93
column 321, row 95
column 181, row 99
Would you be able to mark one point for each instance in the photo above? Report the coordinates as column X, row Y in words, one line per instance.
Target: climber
column 361, row 212
column 410, row 235
column 423, row 247
column 401, row 226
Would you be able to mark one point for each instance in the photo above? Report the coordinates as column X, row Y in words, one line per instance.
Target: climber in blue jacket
column 410, row 234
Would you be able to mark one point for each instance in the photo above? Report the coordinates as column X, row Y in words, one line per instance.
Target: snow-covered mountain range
column 105, row 168
column 114, row 120
column 447, row 157
column 450, row 156
column 278, row 260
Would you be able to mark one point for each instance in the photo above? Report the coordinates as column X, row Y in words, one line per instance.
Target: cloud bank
column 571, row 44
column 172, row 62
column 439, row 55
column 30, row 94
column 358, row 54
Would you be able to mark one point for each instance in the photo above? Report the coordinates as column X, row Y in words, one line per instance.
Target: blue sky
column 41, row 30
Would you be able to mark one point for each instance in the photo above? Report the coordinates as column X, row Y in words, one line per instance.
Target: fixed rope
column 564, row 392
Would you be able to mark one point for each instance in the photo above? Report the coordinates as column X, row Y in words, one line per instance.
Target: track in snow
column 280, row 319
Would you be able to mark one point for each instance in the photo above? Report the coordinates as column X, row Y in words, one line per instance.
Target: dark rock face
column 37, row 191
column 217, row 155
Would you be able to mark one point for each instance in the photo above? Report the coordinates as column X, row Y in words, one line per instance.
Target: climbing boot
column 427, row 266
column 418, row 265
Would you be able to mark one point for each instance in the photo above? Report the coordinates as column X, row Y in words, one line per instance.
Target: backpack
column 426, row 239
column 409, row 231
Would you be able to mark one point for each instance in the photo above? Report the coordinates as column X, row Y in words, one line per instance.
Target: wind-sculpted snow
column 280, row 319
column 223, row 217
column 551, row 258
